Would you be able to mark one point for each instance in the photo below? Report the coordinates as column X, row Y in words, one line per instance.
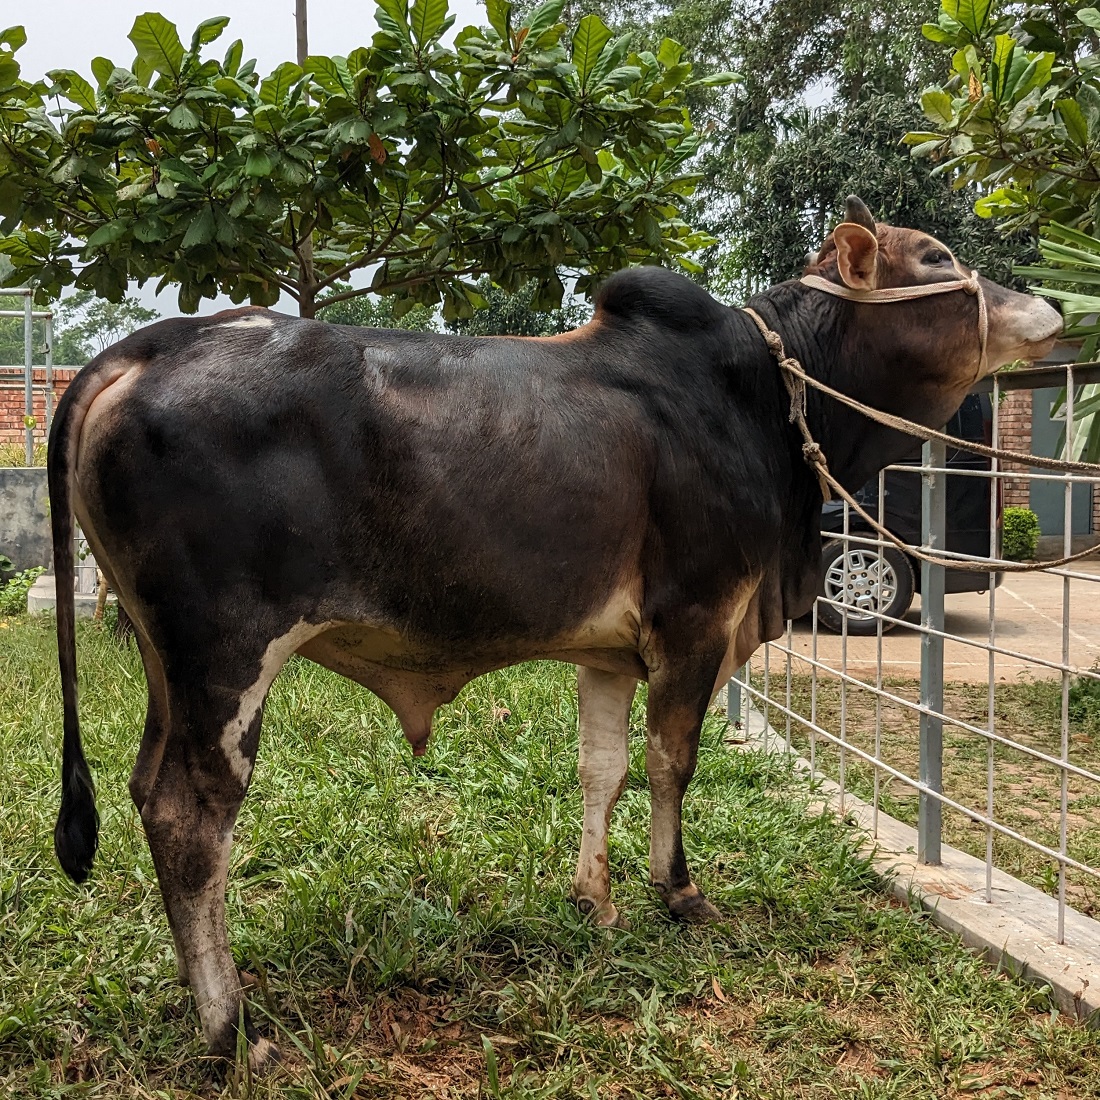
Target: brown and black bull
column 415, row 510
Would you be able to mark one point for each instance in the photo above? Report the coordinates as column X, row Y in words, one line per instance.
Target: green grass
column 1026, row 792
column 409, row 924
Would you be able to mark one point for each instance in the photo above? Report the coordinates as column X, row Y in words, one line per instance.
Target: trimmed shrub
column 1019, row 534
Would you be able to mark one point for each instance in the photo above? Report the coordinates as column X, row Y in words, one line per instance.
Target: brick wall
column 1014, row 429
column 1015, row 435
column 12, row 400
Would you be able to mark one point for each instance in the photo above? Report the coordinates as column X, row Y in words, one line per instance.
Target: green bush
column 1084, row 703
column 1020, row 534
column 13, row 595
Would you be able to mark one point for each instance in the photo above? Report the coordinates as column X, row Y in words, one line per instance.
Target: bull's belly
column 415, row 676
column 367, row 654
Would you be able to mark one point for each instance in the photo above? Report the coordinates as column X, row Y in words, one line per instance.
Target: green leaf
column 1073, row 119
column 275, row 88
column 233, row 55
column 590, row 38
column 158, row 43
column 999, row 202
column 544, row 17
column 201, row 230
column 109, row 233
column 134, row 190
column 937, row 106
column 500, row 18
column 935, row 33
column 919, row 137
column 669, row 53
column 426, row 19
column 102, row 70
column 15, row 37
column 182, row 117
column 149, row 228
column 207, row 31
column 1090, row 17
column 1004, row 47
column 720, row 80
column 1036, row 75
column 75, row 87
column 397, row 12
column 258, row 163
column 331, row 73
column 971, row 14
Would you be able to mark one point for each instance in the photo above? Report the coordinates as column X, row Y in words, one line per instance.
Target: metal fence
column 992, row 751
column 29, row 315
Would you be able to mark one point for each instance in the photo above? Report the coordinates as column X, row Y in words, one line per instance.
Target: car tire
column 863, row 588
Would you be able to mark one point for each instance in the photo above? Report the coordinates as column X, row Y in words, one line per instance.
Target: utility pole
column 301, row 30
column 305, row 252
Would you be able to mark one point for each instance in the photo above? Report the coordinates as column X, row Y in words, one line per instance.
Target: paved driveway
column 1029, row 621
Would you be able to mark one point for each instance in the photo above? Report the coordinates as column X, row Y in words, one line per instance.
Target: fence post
column 49, row 372
column 28, row 380
column 933, row 524
column 733, row 696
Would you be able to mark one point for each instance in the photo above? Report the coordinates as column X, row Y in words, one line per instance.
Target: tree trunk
column 307, row 301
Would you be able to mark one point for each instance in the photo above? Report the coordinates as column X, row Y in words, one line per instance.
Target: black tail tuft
column 77, row 831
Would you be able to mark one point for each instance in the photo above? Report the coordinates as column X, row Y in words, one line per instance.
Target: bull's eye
column 936, row 257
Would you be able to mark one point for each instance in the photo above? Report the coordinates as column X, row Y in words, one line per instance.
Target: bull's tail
column 77, row 829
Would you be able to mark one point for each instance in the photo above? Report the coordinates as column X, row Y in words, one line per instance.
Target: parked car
column 853, row 577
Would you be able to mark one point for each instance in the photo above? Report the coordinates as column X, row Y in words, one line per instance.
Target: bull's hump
column 660, row 296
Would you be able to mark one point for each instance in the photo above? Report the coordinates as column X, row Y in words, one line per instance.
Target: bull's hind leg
column 149, row 756
column 678, row 698
column 214, row 716
column 603, row 717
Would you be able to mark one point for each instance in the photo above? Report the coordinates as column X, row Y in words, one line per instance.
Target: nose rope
column 795, row 379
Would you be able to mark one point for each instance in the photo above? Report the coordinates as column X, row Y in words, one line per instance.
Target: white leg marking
column 214, row 980
column 664, row 810
column 604, row 711
column 274, row 658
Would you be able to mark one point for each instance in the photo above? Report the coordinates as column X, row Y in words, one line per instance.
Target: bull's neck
column 814, row 328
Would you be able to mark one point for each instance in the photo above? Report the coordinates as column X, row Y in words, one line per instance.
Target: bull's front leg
column 679, row 693
column 603, row 719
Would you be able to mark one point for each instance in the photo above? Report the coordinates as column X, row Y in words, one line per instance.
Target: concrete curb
column 43, row 597
column 1016, row 933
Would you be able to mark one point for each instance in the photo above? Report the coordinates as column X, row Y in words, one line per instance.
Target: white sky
column 67, row 34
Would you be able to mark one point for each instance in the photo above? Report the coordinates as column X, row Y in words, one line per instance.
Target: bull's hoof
column 691, row 906
column 603, row 913
column 263, row 1056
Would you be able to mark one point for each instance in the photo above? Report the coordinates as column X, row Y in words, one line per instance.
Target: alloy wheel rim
column 863, row 583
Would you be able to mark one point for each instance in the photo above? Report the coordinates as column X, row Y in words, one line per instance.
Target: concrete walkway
column 1029, row 621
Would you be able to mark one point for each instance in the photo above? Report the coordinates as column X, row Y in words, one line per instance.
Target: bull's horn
column 855, row 210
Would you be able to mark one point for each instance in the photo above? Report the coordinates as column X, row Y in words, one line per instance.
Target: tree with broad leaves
column 522, row 150
column 775, row 172
column 1017, row 123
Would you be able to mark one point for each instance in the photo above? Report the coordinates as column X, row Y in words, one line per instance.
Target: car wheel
column 859, row 580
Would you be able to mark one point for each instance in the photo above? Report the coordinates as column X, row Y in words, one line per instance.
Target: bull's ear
column 856, row 255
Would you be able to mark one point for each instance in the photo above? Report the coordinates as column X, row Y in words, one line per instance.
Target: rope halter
column 971, row 284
